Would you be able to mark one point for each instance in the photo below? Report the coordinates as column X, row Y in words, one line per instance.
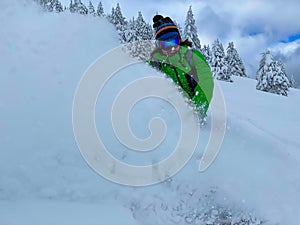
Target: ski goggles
column 167, row 44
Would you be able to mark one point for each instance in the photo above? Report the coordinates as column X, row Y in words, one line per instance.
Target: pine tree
column 81, row 8
column 47, row 5
column 130, row 33
column 293, row 83
column 207, row 53
column 78, row 7
column 91, row 9
column 190, row 29
column 72, row 7
column 100, row 10
column 218, row 64
column 280, row 80
column 58, row 6
column 111, row 17
column 143, row 29
column 234, row 62
column 138, row 35
column 51, row 5
column 281, row 65
column 271, row 76
column 119, row 19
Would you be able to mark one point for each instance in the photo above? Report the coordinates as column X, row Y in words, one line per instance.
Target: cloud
column 274, row 18
column 292, row 67
column 289, row 54
column 286, row 50
column 211, row 24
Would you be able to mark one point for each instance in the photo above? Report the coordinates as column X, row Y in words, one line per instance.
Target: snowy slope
column 43, row 58
column 63, row 213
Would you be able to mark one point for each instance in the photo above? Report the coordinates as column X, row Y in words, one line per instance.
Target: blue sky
column 253, row 25
column 291, row 38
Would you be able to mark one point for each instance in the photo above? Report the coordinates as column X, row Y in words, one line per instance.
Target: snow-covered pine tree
column 280, row 81
column 78, row 7
column 282, row 67
column 100, row 10
column 271, row 76
column 218, row 64
column 264, row 72
column 234, row 61
column 51, row 5
column 58, row 6
column 207, row 53
column 143, row 29
column 293, row 83
column 138, row 35
column 91, row 9
column 72, row 7
column 190, row 30
column 81, row 8
column 111, row 17
column 130, row 33
column 47, row 5
column 119, row 19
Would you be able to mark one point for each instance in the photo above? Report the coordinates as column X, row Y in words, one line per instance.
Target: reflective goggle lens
column 169, row 43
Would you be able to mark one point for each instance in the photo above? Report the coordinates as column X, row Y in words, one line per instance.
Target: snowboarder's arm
column 204, row 73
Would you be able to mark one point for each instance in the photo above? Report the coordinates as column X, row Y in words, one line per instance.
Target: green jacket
column 180, row 67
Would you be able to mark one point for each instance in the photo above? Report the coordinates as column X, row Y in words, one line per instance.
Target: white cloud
column 286, row 49
column 278, row 17
column 289, row 53
column 211, row 24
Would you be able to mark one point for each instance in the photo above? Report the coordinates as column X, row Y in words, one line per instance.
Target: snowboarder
column 187, row 67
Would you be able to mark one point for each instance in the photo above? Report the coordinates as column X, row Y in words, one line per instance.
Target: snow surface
column 63, row 213
column 44, row 179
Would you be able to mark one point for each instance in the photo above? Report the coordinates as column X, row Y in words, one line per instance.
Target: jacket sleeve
column 204, row 73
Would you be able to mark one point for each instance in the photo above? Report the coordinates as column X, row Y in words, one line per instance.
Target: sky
column 253, row 25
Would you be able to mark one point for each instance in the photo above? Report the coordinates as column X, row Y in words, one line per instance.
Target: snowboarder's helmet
column 165, row 28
